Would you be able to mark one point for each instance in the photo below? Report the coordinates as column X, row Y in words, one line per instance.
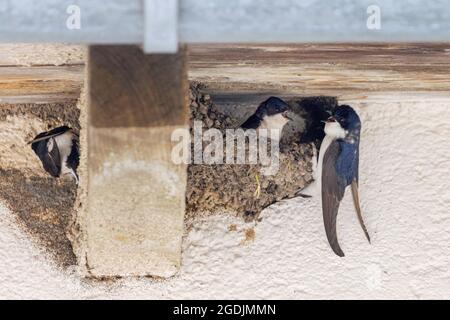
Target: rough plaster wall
column 405, row 183
column 14, row 131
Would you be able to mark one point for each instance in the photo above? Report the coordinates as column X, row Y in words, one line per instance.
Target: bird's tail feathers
column 355, row 196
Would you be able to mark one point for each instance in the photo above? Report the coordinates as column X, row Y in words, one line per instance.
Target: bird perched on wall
column 273, row 113
column 337, row 168
column 58, row 150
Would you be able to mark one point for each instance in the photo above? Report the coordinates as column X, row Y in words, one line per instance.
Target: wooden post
column 136, row 195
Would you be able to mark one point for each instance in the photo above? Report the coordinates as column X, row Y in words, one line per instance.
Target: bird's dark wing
column 252, row 123
column 50, row 134
column 333, row 189
column 74, row 157
column 51, row 159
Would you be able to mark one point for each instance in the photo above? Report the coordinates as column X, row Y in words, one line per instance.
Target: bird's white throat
column 274, row 122
column 334, row 130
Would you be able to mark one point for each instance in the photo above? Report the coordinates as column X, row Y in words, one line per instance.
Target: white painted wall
column 405, row 193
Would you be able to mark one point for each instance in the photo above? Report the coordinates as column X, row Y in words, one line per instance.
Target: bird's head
column 274, row 113
column 343, row 123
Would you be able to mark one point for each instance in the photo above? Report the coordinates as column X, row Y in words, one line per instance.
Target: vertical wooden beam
column 136, row 195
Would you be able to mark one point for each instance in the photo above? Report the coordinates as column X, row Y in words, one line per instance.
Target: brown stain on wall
column 250, row 235
column 44, row 207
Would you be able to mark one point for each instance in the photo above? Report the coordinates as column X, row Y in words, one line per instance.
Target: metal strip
column 161, row 26
column 215, row 21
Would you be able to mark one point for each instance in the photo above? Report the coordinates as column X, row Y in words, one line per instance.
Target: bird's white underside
column 333, row 131
column 64, row 142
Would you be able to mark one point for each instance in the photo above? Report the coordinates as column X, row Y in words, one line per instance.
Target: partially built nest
column 243, row 189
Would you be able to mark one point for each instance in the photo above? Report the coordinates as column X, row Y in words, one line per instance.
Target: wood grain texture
column 41, row 73
column 348, row 71
column 122, row 76
column 341, row 70
column 41, row 54
column 40, row 84
column 136, row 195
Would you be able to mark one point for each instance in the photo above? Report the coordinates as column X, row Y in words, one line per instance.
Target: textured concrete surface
column 405, row 196
column 136, row 204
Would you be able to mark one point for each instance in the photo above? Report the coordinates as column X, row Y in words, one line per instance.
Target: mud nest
column 53, row 114
column 42, row 205
column 242, row 189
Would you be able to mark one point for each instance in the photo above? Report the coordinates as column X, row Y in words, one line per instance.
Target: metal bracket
column 160, row 26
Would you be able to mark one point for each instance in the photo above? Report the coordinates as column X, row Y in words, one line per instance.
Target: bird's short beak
column 287, row 115
column 330, row 119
